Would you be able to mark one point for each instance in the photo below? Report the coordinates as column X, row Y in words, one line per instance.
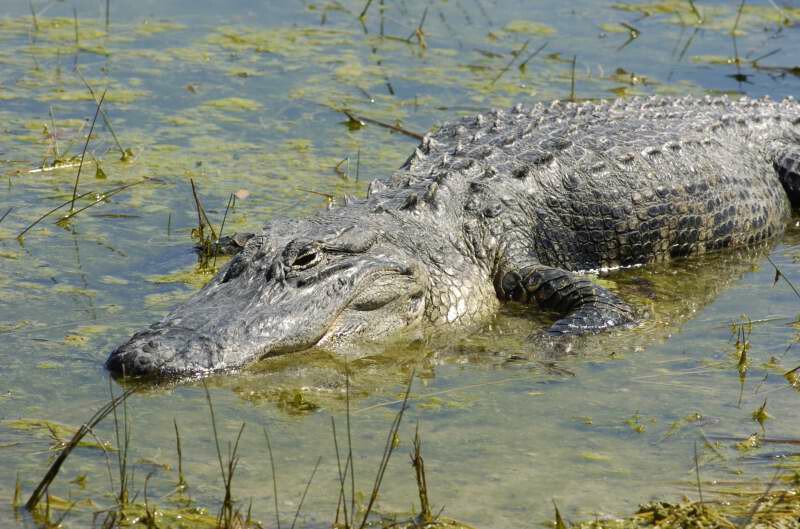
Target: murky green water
column 244, row 96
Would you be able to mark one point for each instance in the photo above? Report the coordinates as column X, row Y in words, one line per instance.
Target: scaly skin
column 496, row 207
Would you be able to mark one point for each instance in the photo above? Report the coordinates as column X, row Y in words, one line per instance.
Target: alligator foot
column 592, row 318
column 587, row 308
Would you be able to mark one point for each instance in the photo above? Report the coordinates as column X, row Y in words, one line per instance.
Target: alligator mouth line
column 369, row 274
column 378, row 266
column 178, row 350
column 323, row 274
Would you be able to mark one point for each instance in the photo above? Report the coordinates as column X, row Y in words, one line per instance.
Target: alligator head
column 285, row 291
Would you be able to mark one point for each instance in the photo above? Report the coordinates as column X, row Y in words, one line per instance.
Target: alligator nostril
column 142, row 362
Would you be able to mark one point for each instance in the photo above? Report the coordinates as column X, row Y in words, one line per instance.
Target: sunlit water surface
column 242, row 97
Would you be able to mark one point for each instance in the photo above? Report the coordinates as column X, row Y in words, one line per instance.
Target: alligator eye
column 306, row 260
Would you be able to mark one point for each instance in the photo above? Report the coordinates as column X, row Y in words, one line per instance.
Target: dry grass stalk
column 84, row 429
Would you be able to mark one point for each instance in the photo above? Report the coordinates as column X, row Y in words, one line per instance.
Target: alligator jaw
column 229, row 324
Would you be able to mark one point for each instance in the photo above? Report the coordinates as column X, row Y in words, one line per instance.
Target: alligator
column 505, row 206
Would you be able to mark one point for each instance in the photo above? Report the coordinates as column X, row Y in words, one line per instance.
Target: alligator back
column 629, row 182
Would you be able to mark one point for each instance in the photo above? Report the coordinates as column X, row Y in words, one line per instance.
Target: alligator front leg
column 587, row 307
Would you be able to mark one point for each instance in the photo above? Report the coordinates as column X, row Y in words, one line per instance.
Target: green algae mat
column 279, row 108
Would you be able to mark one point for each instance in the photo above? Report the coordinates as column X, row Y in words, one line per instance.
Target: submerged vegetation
column 718, row 503
column 134, row 142
column 179, row 510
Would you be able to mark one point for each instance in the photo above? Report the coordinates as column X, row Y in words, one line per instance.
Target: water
column 247, row 98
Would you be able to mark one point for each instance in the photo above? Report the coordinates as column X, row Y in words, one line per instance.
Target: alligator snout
column 166, row 350
column 269, row 304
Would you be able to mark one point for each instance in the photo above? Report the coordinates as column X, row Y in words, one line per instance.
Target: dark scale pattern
column 622, row 183
column 614, row 184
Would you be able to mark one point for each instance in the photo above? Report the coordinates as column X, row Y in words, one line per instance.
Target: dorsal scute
column 531, row 145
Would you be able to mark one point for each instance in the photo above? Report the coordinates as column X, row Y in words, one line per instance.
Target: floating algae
column 303, row 64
